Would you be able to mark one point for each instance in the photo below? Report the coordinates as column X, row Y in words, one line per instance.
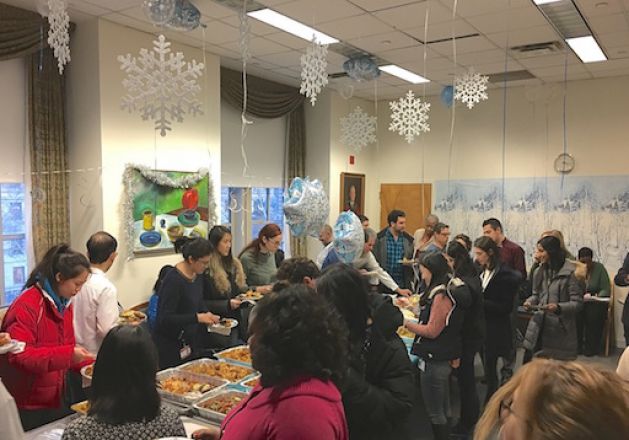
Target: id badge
column 185, row 352
column 421, row 364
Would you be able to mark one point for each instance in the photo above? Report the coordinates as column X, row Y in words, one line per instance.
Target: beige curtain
column 23, row 34
column 268, row 99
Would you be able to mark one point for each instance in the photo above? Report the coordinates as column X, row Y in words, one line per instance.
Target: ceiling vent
column 516, row 75
column 537, row 49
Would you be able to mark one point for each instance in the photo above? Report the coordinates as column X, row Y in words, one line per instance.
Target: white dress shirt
column 370, row 264
column 95, row 311
column 9, row 417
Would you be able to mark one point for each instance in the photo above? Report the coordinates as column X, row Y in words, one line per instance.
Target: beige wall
column 13, row 108
column 125, row 138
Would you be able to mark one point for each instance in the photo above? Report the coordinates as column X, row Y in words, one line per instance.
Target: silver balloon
column 159, row 11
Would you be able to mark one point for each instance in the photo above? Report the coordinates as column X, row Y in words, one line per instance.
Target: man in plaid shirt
column 393, row 244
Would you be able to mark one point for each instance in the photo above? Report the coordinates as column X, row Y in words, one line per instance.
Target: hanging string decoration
column 161, row 85
column 471, row 88
column 361, row 68
column 186, row 17
column 160, row 178
column 409, row 116
column 314, row 70
column 159, row 12
column 59, row 32
column 349, row 237
column 306, row 207
column 358, row 130
column 245, row 55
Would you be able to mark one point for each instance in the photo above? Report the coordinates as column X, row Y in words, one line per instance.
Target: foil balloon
column 186, row 17
column 349, row 237
column 159, row 11
column 306, row 207
column 447, row 96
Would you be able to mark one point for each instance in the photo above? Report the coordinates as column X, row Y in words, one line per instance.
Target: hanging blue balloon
column 186, row 17
column 447, row 96
column 306, row 207
column 349, row 237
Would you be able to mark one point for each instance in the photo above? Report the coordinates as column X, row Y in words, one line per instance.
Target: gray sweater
column 260, row 270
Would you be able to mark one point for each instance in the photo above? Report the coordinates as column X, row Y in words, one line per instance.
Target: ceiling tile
column 131, row 22
column 432, row 64
column 475, row 8
column 591, row 8
column 617, row 52
column 608, row 65
column 377, row 5
column 487, row 56
column 608, row 73
column 288, row 59
column 554, row 71
column 312, row 12
column 258, row 46
column 491, row 68
column 463, row 45
column 571, row 77
column 354, row 27
column 257, row 27
column 288, row 40
column 213, row 9
column 442, row 30
column 509, row 20
column 113, row 5
column 413, row 15
column 613, row 39
column 609, row 23
column 408, row 54
column 520, row 37
column 273, row 2
column 88, row 8
column 216, row 33
column 549, row 60
column 383, row 42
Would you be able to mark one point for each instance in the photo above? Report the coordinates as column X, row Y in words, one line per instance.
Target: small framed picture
column 352, row 192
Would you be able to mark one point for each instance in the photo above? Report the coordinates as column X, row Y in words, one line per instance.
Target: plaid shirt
column 395, row 253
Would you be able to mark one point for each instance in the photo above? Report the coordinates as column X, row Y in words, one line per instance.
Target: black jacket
column 498, row 299
column 473, row 331
column 386, row 316
column 378, row 391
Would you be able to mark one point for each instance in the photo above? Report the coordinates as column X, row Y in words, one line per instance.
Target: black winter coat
column 378, row 391
column 498, row 299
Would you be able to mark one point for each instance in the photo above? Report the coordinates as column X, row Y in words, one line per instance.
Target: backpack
column 152, row 309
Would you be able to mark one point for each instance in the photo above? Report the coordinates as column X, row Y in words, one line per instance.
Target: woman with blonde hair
column 552, row 400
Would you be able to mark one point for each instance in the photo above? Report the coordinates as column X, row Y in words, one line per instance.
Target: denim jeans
column 435, row 391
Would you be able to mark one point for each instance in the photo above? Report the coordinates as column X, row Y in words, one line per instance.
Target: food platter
column 218, row 369
column 131, row 317
column 238, row 355
column 186, row 387
column 81, row 407
column 217, row 404
column 250, row 295
column 224, row 326
column 248, row 384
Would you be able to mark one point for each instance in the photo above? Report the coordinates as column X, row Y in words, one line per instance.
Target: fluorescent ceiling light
column 291, row 26
column 544, row 2
column 587, row 49
column 406, row 75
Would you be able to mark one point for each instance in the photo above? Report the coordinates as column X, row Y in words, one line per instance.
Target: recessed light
column 404, row 74
column 545, row 2
column 587, row 49
column 291, row 26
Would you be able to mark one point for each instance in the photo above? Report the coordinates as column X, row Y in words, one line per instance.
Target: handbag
column 534, row 331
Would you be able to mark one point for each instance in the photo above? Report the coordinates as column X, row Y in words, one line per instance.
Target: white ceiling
column 389, row 29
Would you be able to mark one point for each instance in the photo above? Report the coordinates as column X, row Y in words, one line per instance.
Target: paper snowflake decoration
column 410, row 116
column 58, row 32
column 314, row 70
column 161, row 85
column 470, row 88
column 358, row 129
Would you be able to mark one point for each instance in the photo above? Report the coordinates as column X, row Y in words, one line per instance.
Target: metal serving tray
column 215, row 416
column 221, row 355
column 190, row 398
column 251, row 371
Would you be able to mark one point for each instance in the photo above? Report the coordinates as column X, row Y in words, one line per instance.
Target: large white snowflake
column 358, row 129
column 409, row 116
column 314, row 70
column 161, row 85
column 58, row 32
column 471, row 88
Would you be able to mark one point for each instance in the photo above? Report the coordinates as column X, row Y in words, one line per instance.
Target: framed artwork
column 165, row 205
column 352, row 192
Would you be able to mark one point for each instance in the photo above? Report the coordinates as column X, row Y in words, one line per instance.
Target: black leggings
column 470, row 405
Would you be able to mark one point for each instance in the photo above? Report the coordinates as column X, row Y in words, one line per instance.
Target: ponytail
column 194, row 248
column 59, row 259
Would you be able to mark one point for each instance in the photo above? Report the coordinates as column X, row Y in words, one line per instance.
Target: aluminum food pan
column 221, row 355
column 251, row 371
column 188, row 399
column 215, row 416
column 247, row 388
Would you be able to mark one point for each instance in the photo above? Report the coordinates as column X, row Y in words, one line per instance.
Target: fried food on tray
column 183, row 386
column 223, row 370
column 225, row 322
column 81, row 407
column 132, row 316
column 241, row 354
column 250, row 294
column 252, row 382
column 403, row 332
column 223, row 403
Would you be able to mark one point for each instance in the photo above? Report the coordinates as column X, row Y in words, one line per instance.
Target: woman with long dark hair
column 124, row 402
column 42, row 318
column 182, row 316
column 378, row 389
column 225, row 280
column 438, row 340
column 299, row 346
column 466, row 289
column 500, row 285
column 258, row 258
column 559, row 297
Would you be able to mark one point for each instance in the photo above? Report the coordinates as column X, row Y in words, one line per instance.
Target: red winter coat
column 35, row 378
column 308, row 409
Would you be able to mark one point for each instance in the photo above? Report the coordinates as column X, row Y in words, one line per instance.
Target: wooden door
column 415, row 199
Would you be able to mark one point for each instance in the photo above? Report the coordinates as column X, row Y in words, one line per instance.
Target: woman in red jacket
column 42, row 318
column 299, row 346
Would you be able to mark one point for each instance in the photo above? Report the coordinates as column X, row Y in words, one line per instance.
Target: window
column 262, row 206
column 13, row 258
